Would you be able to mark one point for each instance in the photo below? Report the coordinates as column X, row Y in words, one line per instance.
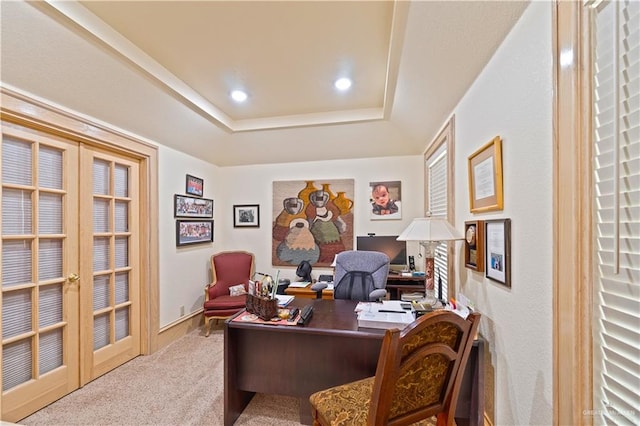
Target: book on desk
column 284, row 300
column 299, row 284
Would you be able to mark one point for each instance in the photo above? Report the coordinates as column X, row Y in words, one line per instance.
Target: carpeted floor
column 182, row 384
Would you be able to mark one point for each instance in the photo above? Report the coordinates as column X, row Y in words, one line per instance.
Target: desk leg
column 305, row 412
column 235, row 400
column 470, row 408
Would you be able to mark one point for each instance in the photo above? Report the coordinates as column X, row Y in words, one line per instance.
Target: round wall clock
column 471, row 235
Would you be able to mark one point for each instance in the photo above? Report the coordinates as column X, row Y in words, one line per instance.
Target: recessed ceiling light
column 342, row 83
column 239, row 95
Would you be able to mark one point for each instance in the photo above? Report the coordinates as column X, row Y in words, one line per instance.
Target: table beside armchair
column 230, row 268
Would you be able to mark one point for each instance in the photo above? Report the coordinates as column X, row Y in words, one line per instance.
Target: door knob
column 72, row 278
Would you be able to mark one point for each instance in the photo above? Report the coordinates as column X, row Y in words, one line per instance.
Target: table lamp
column 429, row 232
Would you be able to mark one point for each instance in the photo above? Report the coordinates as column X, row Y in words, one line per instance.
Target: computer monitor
column 387, row 244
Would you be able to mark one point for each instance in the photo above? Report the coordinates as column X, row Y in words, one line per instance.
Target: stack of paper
column 388, row 314
column 283, row 300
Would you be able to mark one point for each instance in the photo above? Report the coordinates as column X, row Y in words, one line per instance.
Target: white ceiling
column 163, row 70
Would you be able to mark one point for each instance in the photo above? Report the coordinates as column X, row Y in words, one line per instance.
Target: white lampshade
column 430, row 229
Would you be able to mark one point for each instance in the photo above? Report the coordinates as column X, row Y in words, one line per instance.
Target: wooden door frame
column 572, row 248
column 26, row 111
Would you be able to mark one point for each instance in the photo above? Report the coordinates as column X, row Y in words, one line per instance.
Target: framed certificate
column 485, row 177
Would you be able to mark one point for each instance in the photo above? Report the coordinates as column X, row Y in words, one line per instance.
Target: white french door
column 70, row 294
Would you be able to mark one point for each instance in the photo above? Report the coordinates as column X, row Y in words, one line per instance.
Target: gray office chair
column 359, row 275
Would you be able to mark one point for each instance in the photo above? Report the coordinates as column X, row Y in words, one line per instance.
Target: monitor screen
column 387, row 244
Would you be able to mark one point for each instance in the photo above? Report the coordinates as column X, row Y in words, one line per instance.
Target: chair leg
column 207, row 326
column 442, row 419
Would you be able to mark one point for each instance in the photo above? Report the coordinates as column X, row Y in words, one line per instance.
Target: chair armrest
column 319, row 286
column 206, row 291
column 377, row 294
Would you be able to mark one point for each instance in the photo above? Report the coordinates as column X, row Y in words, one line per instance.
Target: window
column 438, row 162
column 616, row 212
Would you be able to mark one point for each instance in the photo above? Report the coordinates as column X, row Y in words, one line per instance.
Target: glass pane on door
column 16, row 161
column 16, row 364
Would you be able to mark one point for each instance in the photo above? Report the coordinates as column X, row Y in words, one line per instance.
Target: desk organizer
column 262, row 307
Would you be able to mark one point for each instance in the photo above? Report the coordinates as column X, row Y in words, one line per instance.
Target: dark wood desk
column 298, row 361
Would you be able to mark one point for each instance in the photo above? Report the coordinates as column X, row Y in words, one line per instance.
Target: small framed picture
column 195, row 186
column 246, row 216
column 193, row 232
column 474, row 245
column 497, row 250
column 385, row 198
column 185, row 206
column 485, row 177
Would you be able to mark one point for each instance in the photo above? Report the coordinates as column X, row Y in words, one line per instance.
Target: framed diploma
column 474, row 245
column 497, row 250
column 485, row 177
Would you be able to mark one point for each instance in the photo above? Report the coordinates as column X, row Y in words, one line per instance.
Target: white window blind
column 616, row 163
column 437, row 202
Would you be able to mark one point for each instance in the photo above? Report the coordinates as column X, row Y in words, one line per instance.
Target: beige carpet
column 182, row 384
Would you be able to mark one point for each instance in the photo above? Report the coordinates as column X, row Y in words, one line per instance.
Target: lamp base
column 429, row 298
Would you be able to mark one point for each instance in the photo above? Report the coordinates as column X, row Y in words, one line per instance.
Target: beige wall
column 512, row 98
column 184, row 271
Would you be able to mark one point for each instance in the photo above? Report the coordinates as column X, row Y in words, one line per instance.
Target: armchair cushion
column 225, row 305
column 348, row 405
column 237, row 290
column 349, row 402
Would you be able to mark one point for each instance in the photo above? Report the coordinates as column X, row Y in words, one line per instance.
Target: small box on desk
column 262, row 307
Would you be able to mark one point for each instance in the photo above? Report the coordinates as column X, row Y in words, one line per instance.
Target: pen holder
column 262, row 307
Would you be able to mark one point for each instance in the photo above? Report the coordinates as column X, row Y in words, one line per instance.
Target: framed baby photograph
column 385, row 199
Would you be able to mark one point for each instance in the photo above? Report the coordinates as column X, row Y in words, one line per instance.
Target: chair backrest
column 230, row 268
column 420, row 369
column 358, row 273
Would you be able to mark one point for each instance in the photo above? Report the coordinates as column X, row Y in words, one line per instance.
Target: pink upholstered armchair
column 229, row 268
